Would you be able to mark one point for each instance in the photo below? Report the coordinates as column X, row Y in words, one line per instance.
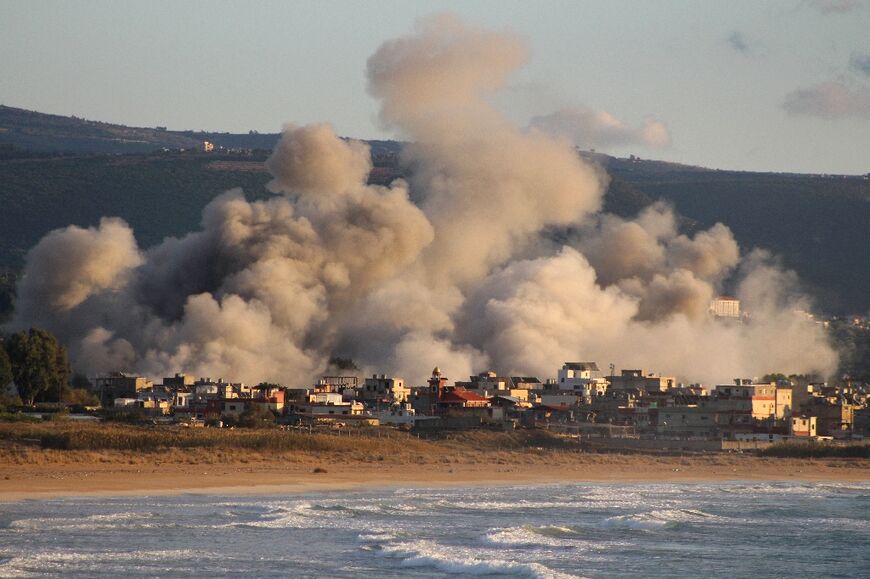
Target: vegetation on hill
column 159, row 195
column 853, row 344
column 35, row 131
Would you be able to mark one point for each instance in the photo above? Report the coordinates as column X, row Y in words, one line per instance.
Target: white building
column 399, row 415
column 582, row 378
column 725, row 307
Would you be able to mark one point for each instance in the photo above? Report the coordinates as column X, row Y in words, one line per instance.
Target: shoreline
column 296, row 474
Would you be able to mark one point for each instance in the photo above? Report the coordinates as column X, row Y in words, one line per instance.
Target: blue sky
column 781, row 86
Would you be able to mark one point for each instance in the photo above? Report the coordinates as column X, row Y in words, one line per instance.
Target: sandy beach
column 82, row 474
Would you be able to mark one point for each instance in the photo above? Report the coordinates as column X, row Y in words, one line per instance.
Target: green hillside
column 35, row 131
column 158, row 195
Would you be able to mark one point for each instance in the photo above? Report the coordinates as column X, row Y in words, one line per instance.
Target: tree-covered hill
column 158, row 195
column 35, row 131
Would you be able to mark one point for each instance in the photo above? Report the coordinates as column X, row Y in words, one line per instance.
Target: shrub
column 816, row 450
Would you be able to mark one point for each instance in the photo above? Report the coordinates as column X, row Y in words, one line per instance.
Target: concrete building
column 760, row 401
column 725, row 307
column 489, row 384
column 561, row 398
column 235, row 406
column 120, row 385
column 328, row 398
column 697, row 421
column 454, row 398
column 638, row 380
column 578, row 371
column 155, row 402
column 382, row 390
column 179, row 381
column 397, row 415
column 526, row 383
column 784, row 405
column 269, row 396
column 861, row 423
column 326, row 404
column 580, row 377
column 835, row 416
column 181, row 399
column 803, row 426
column 330, row 410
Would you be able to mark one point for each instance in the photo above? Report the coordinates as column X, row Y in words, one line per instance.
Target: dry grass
column 71, row 436
column 72, row 442
column 791, row 450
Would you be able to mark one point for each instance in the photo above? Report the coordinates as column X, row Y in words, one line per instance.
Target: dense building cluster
column 630, row 405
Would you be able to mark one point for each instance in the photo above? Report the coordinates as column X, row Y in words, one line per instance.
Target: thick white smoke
column 461, row 278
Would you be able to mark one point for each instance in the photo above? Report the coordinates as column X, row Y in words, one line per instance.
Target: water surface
column 581, row 530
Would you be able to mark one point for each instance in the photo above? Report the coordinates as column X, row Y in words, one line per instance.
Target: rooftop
column 587, row 366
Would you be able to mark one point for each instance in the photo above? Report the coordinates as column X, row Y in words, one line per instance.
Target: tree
column 5, row 369
column 39, row 365
column 774, row 377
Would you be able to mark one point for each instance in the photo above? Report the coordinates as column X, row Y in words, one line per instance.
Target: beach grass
column 792, row 450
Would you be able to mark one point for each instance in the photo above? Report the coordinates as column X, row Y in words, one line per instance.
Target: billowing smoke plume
column 589, row 129
column 461, row 277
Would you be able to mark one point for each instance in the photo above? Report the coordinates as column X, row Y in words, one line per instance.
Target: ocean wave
column 460, row 561
column 91, row 522
column 531, row 536
column 512, row 506
column 306, row 515
column 659, row 519
column 58, row 561
column 376, row 537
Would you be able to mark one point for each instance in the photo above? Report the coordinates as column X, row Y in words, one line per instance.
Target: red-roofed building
column 461, row 398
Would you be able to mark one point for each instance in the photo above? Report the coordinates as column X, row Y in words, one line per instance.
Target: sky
column 750, row 85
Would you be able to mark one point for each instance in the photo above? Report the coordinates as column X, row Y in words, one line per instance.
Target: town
column 632, row 409
column 626, row 410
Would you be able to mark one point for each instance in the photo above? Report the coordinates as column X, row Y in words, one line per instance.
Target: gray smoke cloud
column 829, row 100
column 462, row 277
column 860, row 62
column 738, row 42
column 827, row 7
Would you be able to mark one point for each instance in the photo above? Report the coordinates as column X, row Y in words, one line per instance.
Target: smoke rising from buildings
column 462, row 277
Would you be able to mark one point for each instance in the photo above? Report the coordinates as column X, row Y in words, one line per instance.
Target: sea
column 723, row 529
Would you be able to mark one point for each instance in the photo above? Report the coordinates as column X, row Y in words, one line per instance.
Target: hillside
column 34, row 131
column 816, row 224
